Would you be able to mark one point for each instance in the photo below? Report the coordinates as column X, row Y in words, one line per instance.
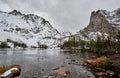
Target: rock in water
column 10, row 71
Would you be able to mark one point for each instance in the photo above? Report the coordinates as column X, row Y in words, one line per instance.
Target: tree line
column 101, row 45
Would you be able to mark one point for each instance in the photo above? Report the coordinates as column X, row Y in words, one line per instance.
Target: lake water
column 36, row 63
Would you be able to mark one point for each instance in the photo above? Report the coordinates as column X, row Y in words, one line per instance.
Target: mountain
column 29, row 29
column 102, row 23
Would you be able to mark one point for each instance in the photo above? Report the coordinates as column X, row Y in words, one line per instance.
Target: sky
column 65, row 15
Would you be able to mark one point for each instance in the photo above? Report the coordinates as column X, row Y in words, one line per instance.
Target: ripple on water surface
column 36, row 63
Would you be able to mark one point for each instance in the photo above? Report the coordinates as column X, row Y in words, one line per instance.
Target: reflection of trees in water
column 3, row 52
column 83, row 55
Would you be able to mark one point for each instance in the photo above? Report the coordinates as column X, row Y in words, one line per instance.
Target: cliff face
column 102, row 22
column 99, row 23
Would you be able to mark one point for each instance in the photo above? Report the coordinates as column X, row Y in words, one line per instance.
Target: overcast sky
column 69, row 15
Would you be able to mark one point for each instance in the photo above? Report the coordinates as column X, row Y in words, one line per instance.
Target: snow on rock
column 113, row 17
column 94, row 35
column 102, row 23
column 8, row 72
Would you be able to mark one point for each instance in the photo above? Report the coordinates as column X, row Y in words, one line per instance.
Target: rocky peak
column 96, row 19
column 98, row 23
column 31, row 17
column 117, row 12
column 101, row 23
column 15, row 12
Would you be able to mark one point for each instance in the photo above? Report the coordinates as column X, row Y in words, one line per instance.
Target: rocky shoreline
column 99, row 72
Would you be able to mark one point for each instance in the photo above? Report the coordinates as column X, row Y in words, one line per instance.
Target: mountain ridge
column 102, row 23
column 27, row 28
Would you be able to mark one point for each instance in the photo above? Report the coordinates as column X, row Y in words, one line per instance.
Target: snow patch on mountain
column 112, row 17
column 29, row 29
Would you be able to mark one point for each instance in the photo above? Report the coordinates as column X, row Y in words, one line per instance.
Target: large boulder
column 10, row 71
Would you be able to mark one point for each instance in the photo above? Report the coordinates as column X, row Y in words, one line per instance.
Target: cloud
column 70, row 15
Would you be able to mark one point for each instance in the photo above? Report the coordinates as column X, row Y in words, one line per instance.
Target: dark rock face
column 15, row 12
column 99, row 23
column 102, row 21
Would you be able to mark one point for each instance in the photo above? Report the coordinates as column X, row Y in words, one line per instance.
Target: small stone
column 119, row 75
column 61, row 71
column 93, row 56
column 73, row 60
column 88, row 69
column 92, row 77
column 42, row 69
column 67, row 57
column 69, row 63
column 110, row 72
column 50, row 77
column 56, row 68
column 100, row 73
column 84, row 71
column 62, row 65
column 65, row 74
column 45, row 76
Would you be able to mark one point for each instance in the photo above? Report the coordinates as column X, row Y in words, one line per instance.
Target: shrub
column 9, row 40
column 4, row 45
column 20, row 45
column 107, row 65
column 98, row 61
column 17, row 43
column 70, row 44
column 104, row 52
column 102, row 62
column 43, row 46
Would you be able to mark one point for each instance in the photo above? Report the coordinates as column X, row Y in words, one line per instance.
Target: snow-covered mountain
column 102, row 23
column 27, row 28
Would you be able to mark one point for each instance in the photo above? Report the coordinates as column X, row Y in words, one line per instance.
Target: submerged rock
column 58, row 73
